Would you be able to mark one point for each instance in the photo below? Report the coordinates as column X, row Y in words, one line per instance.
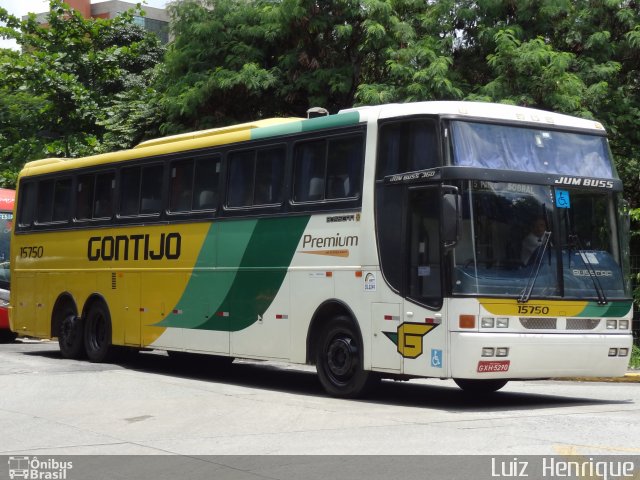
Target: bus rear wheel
column 339, row 360
column 7, row 336
column 480, row 387
column 97, row 333
column 70, row 338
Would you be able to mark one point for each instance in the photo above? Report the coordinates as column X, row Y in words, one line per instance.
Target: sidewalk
column 632, row 376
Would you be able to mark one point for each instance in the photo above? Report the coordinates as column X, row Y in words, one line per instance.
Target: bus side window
column 269, row 176
column 54, row 199
column 151, row 190
column 84, row 197
column 27, row 205
column 103, row 199
column 181, row 186
column 140, row 190
column 344, row 167
column 205, row 183
column 44, row 210
column 241, row 177
column 407, row 146
column 328, row 169
column 310, row 166
column 129, row 190
column 61, row 200
column 256, row 177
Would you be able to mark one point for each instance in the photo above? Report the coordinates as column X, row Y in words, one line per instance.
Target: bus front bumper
column 541, row 355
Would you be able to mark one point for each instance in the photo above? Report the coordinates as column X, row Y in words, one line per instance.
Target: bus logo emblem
column 408, row 338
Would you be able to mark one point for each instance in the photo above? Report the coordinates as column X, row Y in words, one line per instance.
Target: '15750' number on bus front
column 31, row 252
column 533, row 310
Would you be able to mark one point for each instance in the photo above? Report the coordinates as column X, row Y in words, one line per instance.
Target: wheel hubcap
column 341, row 357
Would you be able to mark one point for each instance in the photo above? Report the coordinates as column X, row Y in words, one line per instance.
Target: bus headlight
column 488, row 351
column 487, row 322
column 612, row 324
column 623, row 324
column 502, row 322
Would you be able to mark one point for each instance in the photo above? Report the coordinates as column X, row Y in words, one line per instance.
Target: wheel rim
column 342, row 359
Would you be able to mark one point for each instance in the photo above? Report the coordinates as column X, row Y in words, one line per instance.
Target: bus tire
column 7, row 336
column 70, row 337
column 339, row 360
column 97, row 333
column 480, row 387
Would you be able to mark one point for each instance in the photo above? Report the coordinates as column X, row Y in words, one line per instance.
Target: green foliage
column 634, row 362
column 82, row 86
column 70, row 78
column 235, row 60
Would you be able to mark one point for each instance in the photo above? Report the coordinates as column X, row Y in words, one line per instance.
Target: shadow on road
column 432, row 394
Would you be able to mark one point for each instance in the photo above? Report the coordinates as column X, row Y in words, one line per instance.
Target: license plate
column 485, row 366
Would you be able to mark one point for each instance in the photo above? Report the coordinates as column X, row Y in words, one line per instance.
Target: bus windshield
column 530, row 150
column 554, row 242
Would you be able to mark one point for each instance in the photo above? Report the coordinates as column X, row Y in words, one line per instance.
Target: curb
column 629, row 377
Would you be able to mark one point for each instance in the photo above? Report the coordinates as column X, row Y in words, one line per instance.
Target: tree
column 67, row 81
column 579, row 57
column 235, row 60
column 222, row 60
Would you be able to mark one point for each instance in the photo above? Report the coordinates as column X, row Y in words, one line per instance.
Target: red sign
column 485, row 366
column 6, row 199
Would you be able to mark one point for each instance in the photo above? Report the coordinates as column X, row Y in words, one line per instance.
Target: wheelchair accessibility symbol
column 436, row 358
column 562, row 199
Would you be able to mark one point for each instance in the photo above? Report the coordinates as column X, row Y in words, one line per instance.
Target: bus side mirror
column 451, row 211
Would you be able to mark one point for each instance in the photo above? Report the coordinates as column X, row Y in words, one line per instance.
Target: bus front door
column 421, row 336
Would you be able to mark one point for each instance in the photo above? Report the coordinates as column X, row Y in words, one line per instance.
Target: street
column 150, row 404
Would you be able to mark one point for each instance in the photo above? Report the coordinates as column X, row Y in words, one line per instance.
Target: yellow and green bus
column 462, row 240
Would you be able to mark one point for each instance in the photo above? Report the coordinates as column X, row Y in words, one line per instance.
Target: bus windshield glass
column 530, row 150
column 554, row 242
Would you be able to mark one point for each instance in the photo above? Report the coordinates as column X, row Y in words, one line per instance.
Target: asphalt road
column 148, row 404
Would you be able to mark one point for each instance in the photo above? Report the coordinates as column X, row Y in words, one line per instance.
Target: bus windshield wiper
column 537, row 263
column 574, row 240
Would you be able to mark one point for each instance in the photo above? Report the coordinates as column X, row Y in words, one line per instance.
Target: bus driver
column 533, row 240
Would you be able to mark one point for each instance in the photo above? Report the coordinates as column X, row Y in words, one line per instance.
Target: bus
column 6, row 225
column 379, row 242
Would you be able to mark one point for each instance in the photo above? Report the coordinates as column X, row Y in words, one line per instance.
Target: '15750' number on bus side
column 31, row 252
column 533, row 310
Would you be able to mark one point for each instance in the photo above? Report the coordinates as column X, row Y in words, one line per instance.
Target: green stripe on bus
column 262, row 271
column 612, row 309
column 223, row 249
column 330, row 121
column 253, row 260
column 276, row 130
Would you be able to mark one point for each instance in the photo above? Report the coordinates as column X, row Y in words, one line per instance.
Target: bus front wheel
column 480, row 386
column 97, row 333
column 339, row 360
column 70, row 337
